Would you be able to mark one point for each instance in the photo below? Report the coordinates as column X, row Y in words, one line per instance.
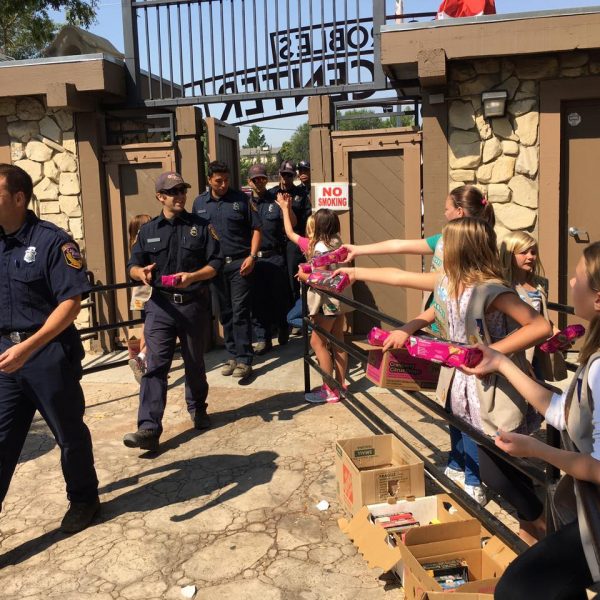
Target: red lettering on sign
column 326, row 191
column 337, row 191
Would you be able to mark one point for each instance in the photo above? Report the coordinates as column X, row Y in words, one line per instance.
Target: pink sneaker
column 322, row 395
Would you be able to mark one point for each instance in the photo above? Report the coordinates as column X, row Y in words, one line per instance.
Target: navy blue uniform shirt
column 273, row 230
column 233, row 218
column 183, row 244
column 40, row 267
column 300, row 205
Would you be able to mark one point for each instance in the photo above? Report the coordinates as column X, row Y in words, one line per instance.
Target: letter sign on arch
column 332, row 195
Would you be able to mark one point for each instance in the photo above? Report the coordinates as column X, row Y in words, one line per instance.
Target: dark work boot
column 284, row 335
column 146, row 439
column 200, row 420
column 79, row 516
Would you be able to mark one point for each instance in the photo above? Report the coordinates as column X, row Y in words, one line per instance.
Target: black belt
column 268, row 253
column 179, row 298
column 230, row 259
column 16, row 337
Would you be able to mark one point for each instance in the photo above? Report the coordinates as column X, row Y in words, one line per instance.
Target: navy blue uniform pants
column 271, row 297
column 234, row 296
column 165, row 322
column 293, row 257
column 48, row 382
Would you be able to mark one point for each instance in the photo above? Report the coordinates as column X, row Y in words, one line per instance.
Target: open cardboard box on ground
column 453, row 541
column 373, row 541
column 398, row 369
column 372, row 469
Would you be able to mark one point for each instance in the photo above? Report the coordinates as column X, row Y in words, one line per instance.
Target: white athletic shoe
column 477, row 492
column 456, row 475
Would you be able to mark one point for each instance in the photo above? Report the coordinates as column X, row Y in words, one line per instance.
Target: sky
column 277, row 130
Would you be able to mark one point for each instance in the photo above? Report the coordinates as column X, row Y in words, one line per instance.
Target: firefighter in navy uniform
column 304, row 177
column 301, row 210
column 238, row 228
column 42, row 282
column 272, row 298
column 183, row 245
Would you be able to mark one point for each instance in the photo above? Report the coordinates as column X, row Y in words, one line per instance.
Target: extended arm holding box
column 392, row 276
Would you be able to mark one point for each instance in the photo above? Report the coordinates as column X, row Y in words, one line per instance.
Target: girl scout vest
column 585, row 504
column 501, row 406
column 552, row 366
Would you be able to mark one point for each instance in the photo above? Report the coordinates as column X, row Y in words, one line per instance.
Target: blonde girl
column 323, row 232
column 565, row 563
column 472, row 301
column 139, row 296
column 522, row 267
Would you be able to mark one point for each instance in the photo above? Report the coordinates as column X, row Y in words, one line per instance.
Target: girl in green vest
column 523, row 269
column 472, row 301
column 566, row 562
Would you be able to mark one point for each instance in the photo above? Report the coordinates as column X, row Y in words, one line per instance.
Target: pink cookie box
column 397, row 369
column 339, row 255
column 325, row 281
column 170, row 280
column 377, row 336
column 449, row 354
column 563, row 339
column 305, row 267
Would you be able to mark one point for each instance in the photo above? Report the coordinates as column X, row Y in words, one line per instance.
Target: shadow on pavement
column 39, row 441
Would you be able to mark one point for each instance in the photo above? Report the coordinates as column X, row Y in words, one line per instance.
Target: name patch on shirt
column 201, row 210
column 152, row 240
column 72, row 255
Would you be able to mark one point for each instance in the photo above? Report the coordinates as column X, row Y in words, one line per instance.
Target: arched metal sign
column 241, row 52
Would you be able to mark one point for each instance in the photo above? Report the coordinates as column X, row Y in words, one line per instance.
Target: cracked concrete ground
column 231, row 510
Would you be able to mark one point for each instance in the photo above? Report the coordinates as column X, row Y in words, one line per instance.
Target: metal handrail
column 546, row 478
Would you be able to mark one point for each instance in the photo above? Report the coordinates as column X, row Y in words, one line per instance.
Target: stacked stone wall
column 501, row 155
column 43, row 143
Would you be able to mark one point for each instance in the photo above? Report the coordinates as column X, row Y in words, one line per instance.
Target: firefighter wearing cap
column 301, row 210
column 176, row 253
column 304, row 177
column 42, row 284
column 272, row 298
column 238, row 228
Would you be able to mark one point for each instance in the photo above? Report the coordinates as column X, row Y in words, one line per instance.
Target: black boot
column 284, row 335
column 79, row 516
column 146, row 439
column 200, row 420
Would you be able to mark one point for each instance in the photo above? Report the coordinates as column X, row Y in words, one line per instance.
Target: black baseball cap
column 287, row 167
column 257, row 170
column 304, row 165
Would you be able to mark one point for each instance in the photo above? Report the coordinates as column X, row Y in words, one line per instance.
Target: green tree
column 361, row 118
column 26, row 26
column 297, row 148
column 256, row 138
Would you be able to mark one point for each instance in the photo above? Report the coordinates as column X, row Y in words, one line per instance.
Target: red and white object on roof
column 450, row 9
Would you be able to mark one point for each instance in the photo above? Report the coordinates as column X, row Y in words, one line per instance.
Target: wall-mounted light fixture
column 494, row 103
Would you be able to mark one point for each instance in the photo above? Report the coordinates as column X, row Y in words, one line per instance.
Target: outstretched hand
column 517, row 444
column 490, row 363
column 395, row 340
column 350, row 271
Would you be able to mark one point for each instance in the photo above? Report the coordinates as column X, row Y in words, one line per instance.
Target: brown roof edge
column 98, row 73
column 495, row 35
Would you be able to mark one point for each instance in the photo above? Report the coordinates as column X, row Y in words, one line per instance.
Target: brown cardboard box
column 448, row 541
column 374, row 468
column 373, row 542
column 398, row 369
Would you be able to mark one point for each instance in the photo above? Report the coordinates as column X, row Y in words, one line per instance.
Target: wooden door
column 579, row 224
column 131, row 171
column 378, row 213
column 223, row 143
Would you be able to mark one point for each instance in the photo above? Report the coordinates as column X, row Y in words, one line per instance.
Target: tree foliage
column 256, row 138
column 297, row 148
column 361, row 118
column 26, row 26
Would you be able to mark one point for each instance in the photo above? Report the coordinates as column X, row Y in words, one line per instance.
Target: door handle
column 580, row 236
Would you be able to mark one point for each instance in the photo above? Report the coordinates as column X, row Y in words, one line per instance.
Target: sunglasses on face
column 287, row 174
column 259, row 179
column 174, row 191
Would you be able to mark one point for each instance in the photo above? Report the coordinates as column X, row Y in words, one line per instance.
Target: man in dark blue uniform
column 176, row 253
column 42, row 282
column 272, row 298
column 304, row 177
column 301, row 210
column 238, row 228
